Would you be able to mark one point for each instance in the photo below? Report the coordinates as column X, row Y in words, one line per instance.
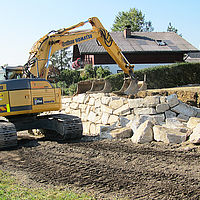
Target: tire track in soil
column 113, row 168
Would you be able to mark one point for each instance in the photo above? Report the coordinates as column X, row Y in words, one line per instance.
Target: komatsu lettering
column 68, row 42
column 86, row 37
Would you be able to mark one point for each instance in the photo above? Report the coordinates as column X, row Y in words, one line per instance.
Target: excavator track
column 8, row 135
column 57, row 127
column 63, row 127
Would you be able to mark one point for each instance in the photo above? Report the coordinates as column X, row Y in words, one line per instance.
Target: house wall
column 142, row 58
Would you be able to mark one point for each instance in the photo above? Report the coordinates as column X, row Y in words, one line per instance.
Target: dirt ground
column 107, row 169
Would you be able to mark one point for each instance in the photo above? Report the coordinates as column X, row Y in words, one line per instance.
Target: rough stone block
column 192, row 123
column 161, row 108
column 92, row 116
column 136, row 103
column 125, row 121
column 91, row 101
column 76, row 113
column 88, row 110
column 81, row 98
column 185, row 109
column 195, row 136
column 74, row 106
column 86, row 128
column 106, row 109
column 98, row 119
column 155, row 119
column 170, row 114
column 115, row 104
column 87, row 98
column 105, row 117
column 113, row 119
column 67, row 110
column 172, row 100
column 121, row 133
column 144, row 111
column 92, row 129
column 174, row 122
column 97, row 103
column 75, row 99
column 183, row 117
column 163, row 99
column 198, row 112
column 84, row 117
column 124, row 110
column 66, row 100
column 169, row 135
column 64, row 106
column 144, row 133
column 82, row 107
column 151, row 101
column 105, row 100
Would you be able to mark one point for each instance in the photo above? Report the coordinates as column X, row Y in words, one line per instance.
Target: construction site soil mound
column 107, row 169
column 188, row 94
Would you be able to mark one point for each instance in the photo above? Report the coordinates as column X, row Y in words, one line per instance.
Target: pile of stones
column 153, row 118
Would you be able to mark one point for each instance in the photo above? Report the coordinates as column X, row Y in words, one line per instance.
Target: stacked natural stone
column 151, row 118
column 96, row 110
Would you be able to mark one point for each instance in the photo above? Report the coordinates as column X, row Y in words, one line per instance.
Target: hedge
column 163, row 76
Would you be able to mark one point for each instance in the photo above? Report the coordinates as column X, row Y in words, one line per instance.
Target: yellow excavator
column 22, row 100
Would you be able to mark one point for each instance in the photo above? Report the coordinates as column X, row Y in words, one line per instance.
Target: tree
column 69, row 76
column 102, row 72
column 133, row 18
column 171, row 28
column 61, row 59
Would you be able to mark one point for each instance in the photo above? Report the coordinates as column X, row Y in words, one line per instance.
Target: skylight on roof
column 161, row 43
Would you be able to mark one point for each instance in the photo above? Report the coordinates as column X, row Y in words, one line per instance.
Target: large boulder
column 193, row 121
column 144, row 133
column 185, row 109
column 172, row 100
column 124, row 132
column 174, row 123
column 169, row 135
column 195, row 136
column 115, row 131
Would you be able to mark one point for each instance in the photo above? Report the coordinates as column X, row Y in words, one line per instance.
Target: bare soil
column 107, row 169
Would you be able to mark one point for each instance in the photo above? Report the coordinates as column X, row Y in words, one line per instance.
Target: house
column 138, row 48
column 193, row 57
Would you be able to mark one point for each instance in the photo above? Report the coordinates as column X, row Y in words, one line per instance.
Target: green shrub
column 71, row 90
column 171, row 75
column 69, row 76
column 116, row 81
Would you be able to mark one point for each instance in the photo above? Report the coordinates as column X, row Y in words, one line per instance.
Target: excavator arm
column 44, row 48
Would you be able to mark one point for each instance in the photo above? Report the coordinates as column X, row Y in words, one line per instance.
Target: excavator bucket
column 129, row 86
column 94, row 86
column 83, row 86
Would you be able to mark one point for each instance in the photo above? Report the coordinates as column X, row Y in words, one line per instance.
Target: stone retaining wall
column 189, row 95
column 102, row 110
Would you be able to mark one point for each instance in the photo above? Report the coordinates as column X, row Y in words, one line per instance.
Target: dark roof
column 142, row 42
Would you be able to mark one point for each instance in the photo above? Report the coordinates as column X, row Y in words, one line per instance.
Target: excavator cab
column 11, row 72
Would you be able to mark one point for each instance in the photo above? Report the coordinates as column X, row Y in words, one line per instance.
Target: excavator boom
column 44, row 48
